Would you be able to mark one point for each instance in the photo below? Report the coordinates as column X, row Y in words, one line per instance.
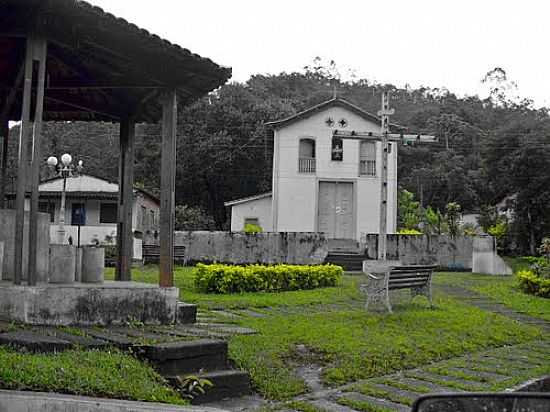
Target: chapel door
column 335, row 217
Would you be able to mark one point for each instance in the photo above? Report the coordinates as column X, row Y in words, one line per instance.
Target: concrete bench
column 417, row 278
column 151, row 254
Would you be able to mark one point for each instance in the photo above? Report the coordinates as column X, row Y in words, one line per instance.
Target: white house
column 322, row 183
column 91, row 204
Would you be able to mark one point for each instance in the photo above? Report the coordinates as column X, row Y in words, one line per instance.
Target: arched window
column 306, row 156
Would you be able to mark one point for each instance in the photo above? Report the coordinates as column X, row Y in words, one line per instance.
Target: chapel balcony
column 306, row 165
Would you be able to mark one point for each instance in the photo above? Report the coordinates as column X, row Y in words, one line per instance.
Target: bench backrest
column 402, row 277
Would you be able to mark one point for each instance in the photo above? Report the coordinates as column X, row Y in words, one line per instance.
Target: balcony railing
column 367, row 167
column 306, row 165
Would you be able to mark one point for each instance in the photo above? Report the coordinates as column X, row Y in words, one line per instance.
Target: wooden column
column 5, row 132
column 125, row 243
column 40, row 53
column 168, row 187
column 22, row 163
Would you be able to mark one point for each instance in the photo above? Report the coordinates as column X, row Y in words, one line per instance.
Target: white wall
column 258, row 208
column 295, row 194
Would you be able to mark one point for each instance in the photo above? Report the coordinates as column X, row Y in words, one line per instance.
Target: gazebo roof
column 99, row 67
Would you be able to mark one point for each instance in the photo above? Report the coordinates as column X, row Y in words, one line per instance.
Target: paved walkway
column 489, row 370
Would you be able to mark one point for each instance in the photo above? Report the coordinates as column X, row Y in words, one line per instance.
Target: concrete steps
column 227, row 384
column 350, row 262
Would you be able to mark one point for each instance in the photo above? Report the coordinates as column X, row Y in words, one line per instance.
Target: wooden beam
column 40, row 53
column 23, row 164
column 5, row 132
column 168, row 188
column 125, row 237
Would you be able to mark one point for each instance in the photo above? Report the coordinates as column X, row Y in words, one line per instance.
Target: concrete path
column 15, row 401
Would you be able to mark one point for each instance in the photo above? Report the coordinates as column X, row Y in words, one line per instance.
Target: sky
column 443, row 43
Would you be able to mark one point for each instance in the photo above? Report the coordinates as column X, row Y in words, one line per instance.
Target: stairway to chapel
column 346, row 253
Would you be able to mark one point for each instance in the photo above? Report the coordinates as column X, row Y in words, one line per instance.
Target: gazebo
column 68, row 60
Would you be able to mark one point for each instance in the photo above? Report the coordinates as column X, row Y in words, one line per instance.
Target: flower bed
column 218, row 278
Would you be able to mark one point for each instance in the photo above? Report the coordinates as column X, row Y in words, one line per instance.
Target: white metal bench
column 417, row 278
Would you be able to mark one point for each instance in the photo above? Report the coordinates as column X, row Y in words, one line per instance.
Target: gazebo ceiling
column 99, row 67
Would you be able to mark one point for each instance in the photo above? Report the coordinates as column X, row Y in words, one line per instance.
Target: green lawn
column 329, row 327
column 347, row 291
column 110, row 374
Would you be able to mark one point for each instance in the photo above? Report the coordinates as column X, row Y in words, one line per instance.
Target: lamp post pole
column 65, row 170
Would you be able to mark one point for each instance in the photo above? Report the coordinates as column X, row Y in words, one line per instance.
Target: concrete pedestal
column 7, row 235
column 62, row 263
column 93, row 263
column 88, row 304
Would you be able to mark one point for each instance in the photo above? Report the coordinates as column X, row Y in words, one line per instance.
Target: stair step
column 178, row 358
column 227, row 383
column 186, row 313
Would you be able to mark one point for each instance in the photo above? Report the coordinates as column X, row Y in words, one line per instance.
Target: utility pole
column 384, row 114
column 386, row 138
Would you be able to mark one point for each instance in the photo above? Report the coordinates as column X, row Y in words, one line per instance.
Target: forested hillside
column 488, row 149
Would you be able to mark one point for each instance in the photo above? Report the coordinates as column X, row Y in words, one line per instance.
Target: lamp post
column 65, row 170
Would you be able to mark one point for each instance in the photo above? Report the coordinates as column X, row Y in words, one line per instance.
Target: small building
column 91, row 206
column 322, row 183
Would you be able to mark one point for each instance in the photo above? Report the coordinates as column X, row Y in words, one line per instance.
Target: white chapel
column 322, row 183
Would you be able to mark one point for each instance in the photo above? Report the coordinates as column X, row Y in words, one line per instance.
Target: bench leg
column 423, row 291
column 388, row 303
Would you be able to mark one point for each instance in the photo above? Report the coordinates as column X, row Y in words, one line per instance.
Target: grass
column 329, row 327
column 353, row 344
column 503, row 289
column 347, row 291
column 110, row 374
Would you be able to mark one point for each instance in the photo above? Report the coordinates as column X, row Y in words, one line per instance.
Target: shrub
column 251, row 228
column 531, row 283
column 217, row 278
column 409, row 232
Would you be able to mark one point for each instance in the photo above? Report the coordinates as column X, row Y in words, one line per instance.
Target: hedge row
column 531, row 283
column 217, row 278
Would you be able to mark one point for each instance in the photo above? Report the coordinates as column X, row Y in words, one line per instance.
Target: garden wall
column 242, row 248
column 454, row 254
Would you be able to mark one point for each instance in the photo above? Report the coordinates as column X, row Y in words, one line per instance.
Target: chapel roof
column 334, row 102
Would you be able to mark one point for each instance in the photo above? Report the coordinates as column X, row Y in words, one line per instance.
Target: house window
column 143, row 217
column 108, row 213
column 251, row 221
column 367, row 159
column 47, row 207
column 337, row 152
column 306, row 156
column 78, row 215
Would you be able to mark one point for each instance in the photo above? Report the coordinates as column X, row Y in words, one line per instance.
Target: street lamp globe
column 66, row 159
column 52, row 161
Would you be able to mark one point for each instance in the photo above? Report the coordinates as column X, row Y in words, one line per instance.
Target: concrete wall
column 454, row 254
column 88, row 304
column 295, row 195
column 486, row 259
column 258, row 208
column 242, row 248
column 7, row 235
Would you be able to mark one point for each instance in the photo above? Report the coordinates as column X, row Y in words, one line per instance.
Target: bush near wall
column 534, row 284
column 218, row 278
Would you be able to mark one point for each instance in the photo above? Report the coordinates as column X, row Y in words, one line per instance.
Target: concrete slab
column 87, row 304
column 16, row 401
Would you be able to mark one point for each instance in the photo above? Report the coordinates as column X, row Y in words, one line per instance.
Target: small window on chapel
column 337, row 152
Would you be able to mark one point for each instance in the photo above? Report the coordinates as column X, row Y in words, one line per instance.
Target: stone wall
column 7, row 235
column 242, row 248
column 453, row 254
